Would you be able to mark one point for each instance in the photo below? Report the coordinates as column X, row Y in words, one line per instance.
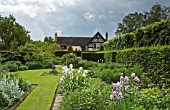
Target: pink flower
column 126, row 88
column 121, row 78
column 61, row 79
column 121, row 74
column 137, row 79
column 137, row 88
column 119, row 96
column 114, row 84
column 114, row 93
column 111, row 96
column 133, row 75
column 126, row 78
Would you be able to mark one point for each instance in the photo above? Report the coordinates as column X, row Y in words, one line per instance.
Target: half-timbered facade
column 81, row 43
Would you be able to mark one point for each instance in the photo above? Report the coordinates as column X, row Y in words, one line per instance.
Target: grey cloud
column 74, row 17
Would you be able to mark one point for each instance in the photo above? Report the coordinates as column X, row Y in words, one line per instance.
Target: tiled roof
column 74, row 41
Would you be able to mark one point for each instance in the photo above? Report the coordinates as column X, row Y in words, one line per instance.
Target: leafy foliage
column 12, row 32
column 28, row 47
column 49, row 39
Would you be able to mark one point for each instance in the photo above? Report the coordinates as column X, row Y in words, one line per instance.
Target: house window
column 94, row 45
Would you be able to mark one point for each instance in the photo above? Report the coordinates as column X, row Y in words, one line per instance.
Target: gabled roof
column 80, row 41
column 97, row 38
column 73, row 41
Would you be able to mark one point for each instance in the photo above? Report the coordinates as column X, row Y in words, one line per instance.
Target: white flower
column 77, row 78
column 71, row 77
column 85, row 71
column 71, row 66
column 81, row 68
column 65, row 69
column 84, row 74
column 79, row 71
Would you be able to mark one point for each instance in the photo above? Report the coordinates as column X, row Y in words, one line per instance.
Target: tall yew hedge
column 151, row 35
column 154, row 60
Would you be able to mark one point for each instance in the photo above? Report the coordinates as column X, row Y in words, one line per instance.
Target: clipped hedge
column 151, row 35
column 154, row 60
column 61, row 53
column 92, row 56
column 109, row 56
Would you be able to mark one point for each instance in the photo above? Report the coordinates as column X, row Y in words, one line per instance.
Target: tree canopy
column 136, row 20
column 11, row 32
column 49, row 39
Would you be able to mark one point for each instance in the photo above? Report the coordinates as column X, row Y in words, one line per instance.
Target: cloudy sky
column 73, row 17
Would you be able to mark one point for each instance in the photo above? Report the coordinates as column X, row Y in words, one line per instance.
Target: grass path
column 42, row 96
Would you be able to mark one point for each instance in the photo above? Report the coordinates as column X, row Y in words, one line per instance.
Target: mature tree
column 49, row 39
column 130, row 23
column 136, row 20
column 12, row 32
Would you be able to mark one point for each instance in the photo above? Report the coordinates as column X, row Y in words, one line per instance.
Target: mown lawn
column 42, row 96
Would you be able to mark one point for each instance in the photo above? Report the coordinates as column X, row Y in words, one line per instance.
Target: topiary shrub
column 54, row 72
column 101, row 48
column 70, row 48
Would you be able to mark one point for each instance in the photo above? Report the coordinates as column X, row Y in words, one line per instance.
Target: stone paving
column 57, row 102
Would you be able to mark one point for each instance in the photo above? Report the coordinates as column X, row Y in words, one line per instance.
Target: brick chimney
column 56, row 35
column 106, row 36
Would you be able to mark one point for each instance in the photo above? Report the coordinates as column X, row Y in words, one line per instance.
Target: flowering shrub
column 12, row 87
column 125, row 92
column 72, row 80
